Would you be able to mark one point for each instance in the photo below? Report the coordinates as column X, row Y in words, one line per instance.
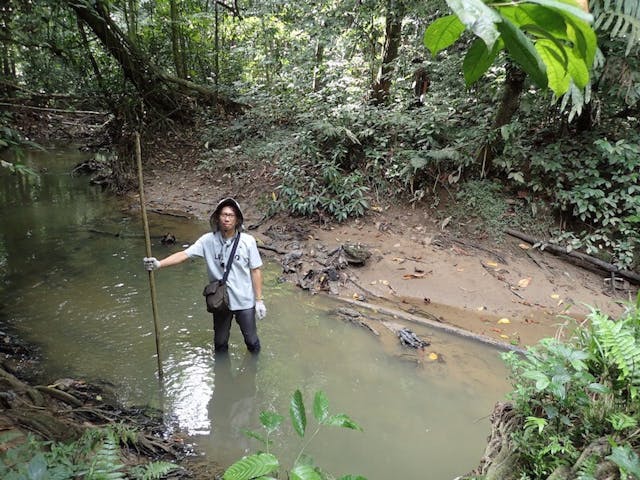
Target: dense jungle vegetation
column 521, row 114
column 528, row 126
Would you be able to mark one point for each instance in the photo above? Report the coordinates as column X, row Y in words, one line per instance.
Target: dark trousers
column 246, row 319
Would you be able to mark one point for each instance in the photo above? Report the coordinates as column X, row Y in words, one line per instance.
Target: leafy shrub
column 576, row 393
column 96, row 455
column 261, row 464
column 599, row 187
column 311, row 184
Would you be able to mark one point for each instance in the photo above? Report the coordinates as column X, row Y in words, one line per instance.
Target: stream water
column 72, row 283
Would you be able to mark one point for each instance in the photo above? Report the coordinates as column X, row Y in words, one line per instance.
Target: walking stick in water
column 147, row 241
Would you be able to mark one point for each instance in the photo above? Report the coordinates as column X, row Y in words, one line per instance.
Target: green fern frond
column 153, row 470
column 106, row 461
column 621, row 19
column 619, row 347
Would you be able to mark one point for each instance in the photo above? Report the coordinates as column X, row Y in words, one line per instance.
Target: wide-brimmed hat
column 227, row 202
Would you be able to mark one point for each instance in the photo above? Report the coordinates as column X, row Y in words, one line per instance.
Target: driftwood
column 438, row 325
column 628, row 274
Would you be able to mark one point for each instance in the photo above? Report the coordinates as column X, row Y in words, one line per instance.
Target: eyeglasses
column 228, row 215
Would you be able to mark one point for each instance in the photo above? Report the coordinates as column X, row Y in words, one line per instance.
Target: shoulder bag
column 215, row 293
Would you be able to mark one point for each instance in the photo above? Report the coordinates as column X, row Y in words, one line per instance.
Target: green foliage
column 599, row 186
column 261, row 464
column 95, row 456
column 550, row 40
column 12, row 146
column 578, row 392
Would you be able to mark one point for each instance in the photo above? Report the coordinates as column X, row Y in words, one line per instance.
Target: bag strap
column 233, row 253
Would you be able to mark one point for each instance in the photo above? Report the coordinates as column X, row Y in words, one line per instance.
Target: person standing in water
column 244, row 283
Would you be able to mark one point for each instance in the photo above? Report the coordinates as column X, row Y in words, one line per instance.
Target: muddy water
column 71, row 282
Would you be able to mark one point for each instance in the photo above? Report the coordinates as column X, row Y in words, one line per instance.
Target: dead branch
column 628, row 274
column 54, row 110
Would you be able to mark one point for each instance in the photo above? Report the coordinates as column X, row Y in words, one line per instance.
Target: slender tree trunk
column 318, row 68
column 216, row 58
column 393, row 29
column 6, row 48
column 176, row 43
column 513, row 88
column 131, row 18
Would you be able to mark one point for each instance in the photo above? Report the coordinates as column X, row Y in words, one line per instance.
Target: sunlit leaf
column 566, row 7
column 442, row 33
column 526, row 15
column 477, row 17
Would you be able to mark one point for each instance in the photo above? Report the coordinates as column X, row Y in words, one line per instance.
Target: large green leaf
column 578, row 69
column 298, row 413
column 523, row 52
column 443, row 33
column 626, row 459
column 557, row 72
column 320, row 406
column 567, row 8
column 584, row 40
column 478, row 59
column 304, row 472
column 251, row 467
column 524, row 15
column 477, row 17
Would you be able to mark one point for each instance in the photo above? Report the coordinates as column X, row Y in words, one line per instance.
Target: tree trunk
column 135, row 66
column 393, row 29
column 176, row 41
column 6, row 49
column 513, row 88
column 318, row 77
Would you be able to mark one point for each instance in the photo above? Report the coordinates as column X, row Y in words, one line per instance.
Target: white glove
column 261, row 310
column 151, row 263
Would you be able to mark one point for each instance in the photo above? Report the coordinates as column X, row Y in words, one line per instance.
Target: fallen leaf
column 497, row 330
column 433, row 356
column 524, row 246
column 398, row 259
column 409, row 276
column 481, row 308
column 504, row 321
column 492, row 264
column 555, row 296
column 460, row 269
column 504, row 336
column 374, row 282
column 524, row 282
column 444, row 223
column 384, row 282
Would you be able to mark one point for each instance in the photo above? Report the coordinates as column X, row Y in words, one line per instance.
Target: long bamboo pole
column 147, row 241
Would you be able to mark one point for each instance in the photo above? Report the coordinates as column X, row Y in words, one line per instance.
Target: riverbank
column 502, row 290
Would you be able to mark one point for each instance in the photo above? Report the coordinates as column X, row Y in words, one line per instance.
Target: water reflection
column 81, row 294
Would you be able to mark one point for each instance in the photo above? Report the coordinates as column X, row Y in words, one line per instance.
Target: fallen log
column 628, row 274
